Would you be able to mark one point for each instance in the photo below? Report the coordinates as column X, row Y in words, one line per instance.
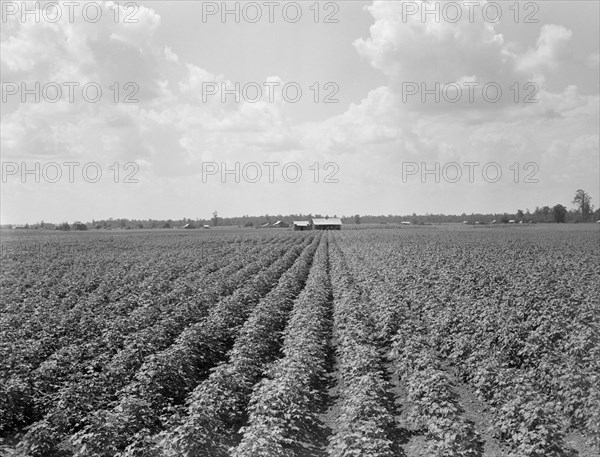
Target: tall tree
column 215, row 218
column 546, row 213
column 583, row 201
column 559, row 212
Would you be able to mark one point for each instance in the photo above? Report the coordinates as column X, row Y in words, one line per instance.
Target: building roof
column 301, row 223
column 329, row 221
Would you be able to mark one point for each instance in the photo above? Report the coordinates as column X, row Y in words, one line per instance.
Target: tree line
column 583, row 212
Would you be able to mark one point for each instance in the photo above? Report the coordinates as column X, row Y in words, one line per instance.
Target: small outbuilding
column 280, row 224
column 328, row 223
column 301, row 225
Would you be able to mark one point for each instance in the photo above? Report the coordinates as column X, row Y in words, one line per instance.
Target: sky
column 165, row 110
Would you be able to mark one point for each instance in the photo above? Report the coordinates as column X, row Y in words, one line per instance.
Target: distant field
column 442, row 340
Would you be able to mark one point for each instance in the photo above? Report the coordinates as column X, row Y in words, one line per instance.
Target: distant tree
column 583, row 201
column 79, row 226
column 63, row 226
column 520, row 214
column 357, row 219
column 559, row 212
column 215, row 218
column 546, row 212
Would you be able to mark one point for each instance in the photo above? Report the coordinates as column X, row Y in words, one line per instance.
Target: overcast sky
column 371, row 60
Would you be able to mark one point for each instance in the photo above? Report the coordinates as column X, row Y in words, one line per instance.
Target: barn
column 329, row 223
column 301, row 225
column 280, row 224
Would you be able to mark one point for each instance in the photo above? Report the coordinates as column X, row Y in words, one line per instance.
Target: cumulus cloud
column 407, row 48
column 552, row 48
column 373, row 120
column 168, row 125
column 172, row 128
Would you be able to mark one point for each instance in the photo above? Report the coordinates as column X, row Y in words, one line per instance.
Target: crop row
column 365, row 424
column 525, row 418
column 522, row 331
column 42, row 292
column 284, row 406
column 432, row 393
column 82, row 368
column 36, row 326
column 92, row 374
column 166, row 377
column 516, row 355
column 429, row 388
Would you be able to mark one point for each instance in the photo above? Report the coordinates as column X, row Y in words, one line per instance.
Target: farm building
column 301, row 225
column 280, row 224
column 332, row 223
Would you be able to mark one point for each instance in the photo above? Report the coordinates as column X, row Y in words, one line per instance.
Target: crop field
column 413, row 341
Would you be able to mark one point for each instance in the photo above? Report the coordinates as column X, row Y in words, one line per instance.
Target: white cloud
column 409, row 49
column 373, row 120
column 172, row 130
column 552, row 48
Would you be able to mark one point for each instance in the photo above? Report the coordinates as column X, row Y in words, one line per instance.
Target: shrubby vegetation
column 277, row 343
